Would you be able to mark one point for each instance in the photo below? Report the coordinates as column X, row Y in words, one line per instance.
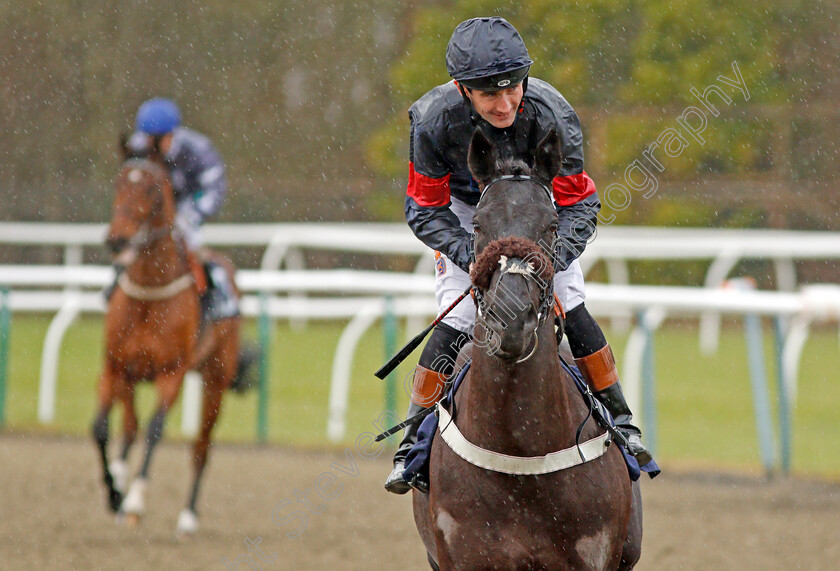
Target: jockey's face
column 497, row 107
column 165, row 143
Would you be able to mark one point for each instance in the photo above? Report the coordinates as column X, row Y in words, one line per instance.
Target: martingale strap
column 519, row 465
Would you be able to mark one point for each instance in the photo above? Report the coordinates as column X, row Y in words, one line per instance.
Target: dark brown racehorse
column 519, row 506
column 152, row 332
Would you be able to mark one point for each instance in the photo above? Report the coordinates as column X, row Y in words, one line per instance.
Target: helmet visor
column 497, row 82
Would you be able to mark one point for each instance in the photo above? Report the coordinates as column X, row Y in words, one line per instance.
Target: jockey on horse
column 491, row 90
column 197, row 174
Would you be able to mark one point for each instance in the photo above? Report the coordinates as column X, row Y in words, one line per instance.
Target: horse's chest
column 566, row 520
column 519, row 544
column 505, row 545
column 151, row 342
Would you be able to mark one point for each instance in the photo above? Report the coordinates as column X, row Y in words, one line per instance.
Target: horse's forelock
column 514, row 167
column 513, row 247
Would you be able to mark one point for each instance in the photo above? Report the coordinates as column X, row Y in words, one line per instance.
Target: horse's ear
column 482, row 157
column 124, row 146
column 547, row 158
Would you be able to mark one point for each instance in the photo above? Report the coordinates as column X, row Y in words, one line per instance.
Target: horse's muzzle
column 510, row 337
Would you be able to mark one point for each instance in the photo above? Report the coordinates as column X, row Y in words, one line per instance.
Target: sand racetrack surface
column 53, row 516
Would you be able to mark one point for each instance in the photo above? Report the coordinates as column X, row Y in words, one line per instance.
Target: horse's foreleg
column 203, row 348
column 168, row 388
column 100, row 431
column 134, row 504
column 216, row 380
column 119, row 466
column 100, row 434
column 632, row 550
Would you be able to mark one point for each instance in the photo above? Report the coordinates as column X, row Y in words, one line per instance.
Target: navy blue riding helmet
column 487, row 54
column 158, row 117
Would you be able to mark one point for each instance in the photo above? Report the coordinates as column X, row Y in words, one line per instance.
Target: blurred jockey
column 491, row 90
column 198, row 180
column 195, row 167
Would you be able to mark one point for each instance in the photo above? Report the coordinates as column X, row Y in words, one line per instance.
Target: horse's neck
column 518, row 408
column 160, row 263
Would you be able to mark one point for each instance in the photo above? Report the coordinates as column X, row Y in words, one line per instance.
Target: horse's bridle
column 543, row 307
column 505, row 177
column 147, row 234
column 546, row 299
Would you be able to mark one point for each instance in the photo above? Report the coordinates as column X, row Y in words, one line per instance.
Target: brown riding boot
column 601, row 375
column 426, row 390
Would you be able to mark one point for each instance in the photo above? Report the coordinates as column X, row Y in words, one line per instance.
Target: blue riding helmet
column 158, row 117
column 487, row 54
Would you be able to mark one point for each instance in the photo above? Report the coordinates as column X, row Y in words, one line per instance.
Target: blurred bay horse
column 153, row 331
column 509, row 486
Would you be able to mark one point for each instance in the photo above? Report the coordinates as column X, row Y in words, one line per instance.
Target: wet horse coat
column 518, row 401
column 152, row 333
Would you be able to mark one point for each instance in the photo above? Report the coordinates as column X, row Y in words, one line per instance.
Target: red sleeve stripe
column 572, row 189
column 427, row 191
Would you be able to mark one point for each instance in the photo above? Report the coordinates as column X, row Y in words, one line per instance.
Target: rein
column 142, row 239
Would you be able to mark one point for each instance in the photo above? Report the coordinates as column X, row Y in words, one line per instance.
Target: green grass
column 300, row 364
column 704, row 403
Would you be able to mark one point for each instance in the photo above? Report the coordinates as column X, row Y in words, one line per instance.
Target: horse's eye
column 553, row 227
column 476, row 228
